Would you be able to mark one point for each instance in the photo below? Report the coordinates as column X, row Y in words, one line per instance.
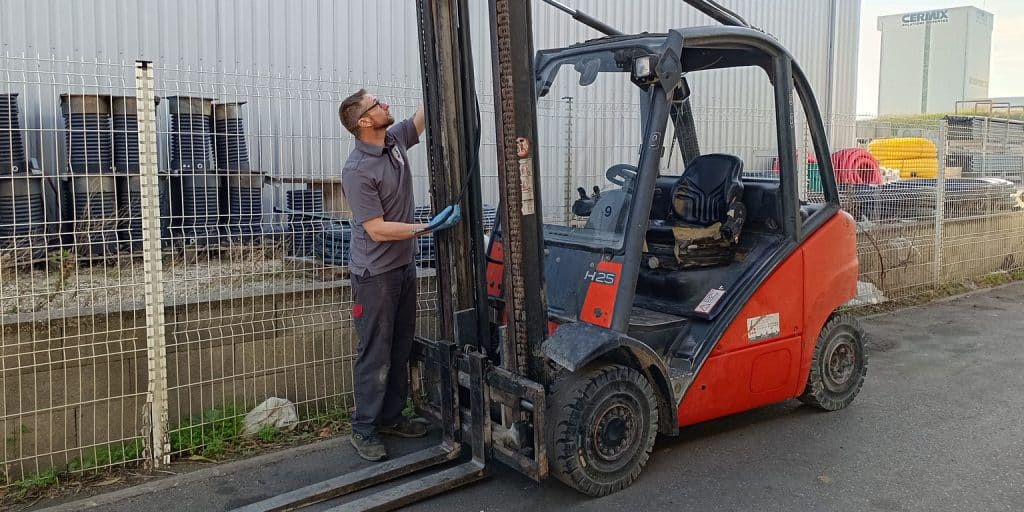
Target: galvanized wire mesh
column 73, row 348
column 940, row 215
column 257, row 246
column 256, row 301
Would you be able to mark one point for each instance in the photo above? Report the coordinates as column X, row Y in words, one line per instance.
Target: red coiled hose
column 856, row 166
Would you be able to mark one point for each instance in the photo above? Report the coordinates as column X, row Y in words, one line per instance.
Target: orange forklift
column 676, row 298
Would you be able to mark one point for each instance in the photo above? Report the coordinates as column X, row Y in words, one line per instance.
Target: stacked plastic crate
column 243, row 186
column 195, row 191
column 90, row 185
column 22, row 213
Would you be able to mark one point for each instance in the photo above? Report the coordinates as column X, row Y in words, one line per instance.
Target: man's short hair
column 350, row 111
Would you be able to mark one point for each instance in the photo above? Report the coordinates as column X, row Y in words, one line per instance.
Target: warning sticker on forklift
column 712, row 298
column 526, row 185
column 763, row 327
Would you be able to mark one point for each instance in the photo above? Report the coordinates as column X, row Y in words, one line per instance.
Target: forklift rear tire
column 603, row 421
column 838, row 366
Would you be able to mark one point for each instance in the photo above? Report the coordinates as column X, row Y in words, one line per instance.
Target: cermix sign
column 919, row 18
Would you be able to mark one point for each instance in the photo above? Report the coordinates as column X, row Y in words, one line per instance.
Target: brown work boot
column 369, row 447
column 404, row 428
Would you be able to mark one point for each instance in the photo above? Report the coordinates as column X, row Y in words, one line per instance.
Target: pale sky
column 1007, row 66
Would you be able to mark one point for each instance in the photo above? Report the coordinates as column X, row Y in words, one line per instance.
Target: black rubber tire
column 602, row 407
column 838, row 366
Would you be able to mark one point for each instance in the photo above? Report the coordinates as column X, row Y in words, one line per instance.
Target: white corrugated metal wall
column 293, row 61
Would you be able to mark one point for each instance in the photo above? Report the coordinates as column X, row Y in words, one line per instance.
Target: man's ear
column 367, row 124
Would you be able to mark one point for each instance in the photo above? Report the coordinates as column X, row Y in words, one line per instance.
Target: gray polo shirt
column 377, row 182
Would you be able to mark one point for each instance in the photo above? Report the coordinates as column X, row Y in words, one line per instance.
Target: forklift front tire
column 838, row 366
column 602, row 426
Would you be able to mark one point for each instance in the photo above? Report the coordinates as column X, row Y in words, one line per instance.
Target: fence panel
column 252, row 241
column 73, row 369
column 256, row 241
column 984, row 173
column 898, row 214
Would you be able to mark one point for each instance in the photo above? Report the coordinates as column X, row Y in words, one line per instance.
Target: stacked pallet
column 914, row 157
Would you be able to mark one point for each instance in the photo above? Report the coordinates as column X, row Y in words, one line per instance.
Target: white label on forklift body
column 763, row 327
column 712, row 298
column 526, row 184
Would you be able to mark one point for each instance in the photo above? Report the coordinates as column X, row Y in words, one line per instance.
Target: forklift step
column 416, row 490
column 645, row 320
column 351, row 482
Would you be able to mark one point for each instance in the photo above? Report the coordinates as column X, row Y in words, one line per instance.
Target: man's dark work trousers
column 385, row 321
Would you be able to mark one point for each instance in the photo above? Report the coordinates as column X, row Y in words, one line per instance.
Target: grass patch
column 323, row 423
column 207, row 437
column 35, row 484
column 269, row 434
column 337, row 413
column 995, row 279
column 107, row 456
column 210, row 434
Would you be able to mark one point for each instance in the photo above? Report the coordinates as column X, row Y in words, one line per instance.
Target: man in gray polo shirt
column 378, row 186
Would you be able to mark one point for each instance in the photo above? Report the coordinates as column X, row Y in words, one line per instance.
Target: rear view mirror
column 684, row 89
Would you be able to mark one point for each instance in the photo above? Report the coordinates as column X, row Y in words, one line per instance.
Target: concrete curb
column 173, row 481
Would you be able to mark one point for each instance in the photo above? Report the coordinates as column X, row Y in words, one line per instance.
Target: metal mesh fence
column 174, row 241
column 248, row 283
column 73, row 351
column 945, row 204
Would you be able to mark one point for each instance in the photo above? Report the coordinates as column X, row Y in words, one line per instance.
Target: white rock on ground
column 274, row 411
column 867, row 293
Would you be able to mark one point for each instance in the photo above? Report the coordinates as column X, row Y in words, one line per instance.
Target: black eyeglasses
column 376, row 103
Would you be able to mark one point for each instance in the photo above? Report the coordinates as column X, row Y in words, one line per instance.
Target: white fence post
column 940, row 201
column 156, row 410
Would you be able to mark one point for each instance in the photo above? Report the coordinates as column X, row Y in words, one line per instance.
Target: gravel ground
column 63, row 283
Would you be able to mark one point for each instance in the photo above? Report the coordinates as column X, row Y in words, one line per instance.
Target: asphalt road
column 936, row 427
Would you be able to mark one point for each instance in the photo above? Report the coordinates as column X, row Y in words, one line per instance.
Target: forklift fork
column 454, row 371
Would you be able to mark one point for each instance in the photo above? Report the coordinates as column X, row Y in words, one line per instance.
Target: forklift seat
column 706, row 216
column 706, row 191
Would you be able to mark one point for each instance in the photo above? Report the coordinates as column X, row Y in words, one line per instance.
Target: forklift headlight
column 643, row 68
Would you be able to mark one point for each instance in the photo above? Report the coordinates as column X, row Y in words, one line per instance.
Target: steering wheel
column 619, row 174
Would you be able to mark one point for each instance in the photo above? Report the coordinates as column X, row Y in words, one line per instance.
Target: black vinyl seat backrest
column 707, row 189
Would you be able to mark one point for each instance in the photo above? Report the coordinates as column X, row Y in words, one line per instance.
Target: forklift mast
column 453, row 140
column 519, row 184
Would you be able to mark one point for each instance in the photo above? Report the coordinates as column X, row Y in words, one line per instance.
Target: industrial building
column 294, row 61
column 932, row 59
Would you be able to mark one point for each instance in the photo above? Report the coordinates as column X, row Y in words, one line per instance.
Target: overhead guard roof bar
column 711, row 8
